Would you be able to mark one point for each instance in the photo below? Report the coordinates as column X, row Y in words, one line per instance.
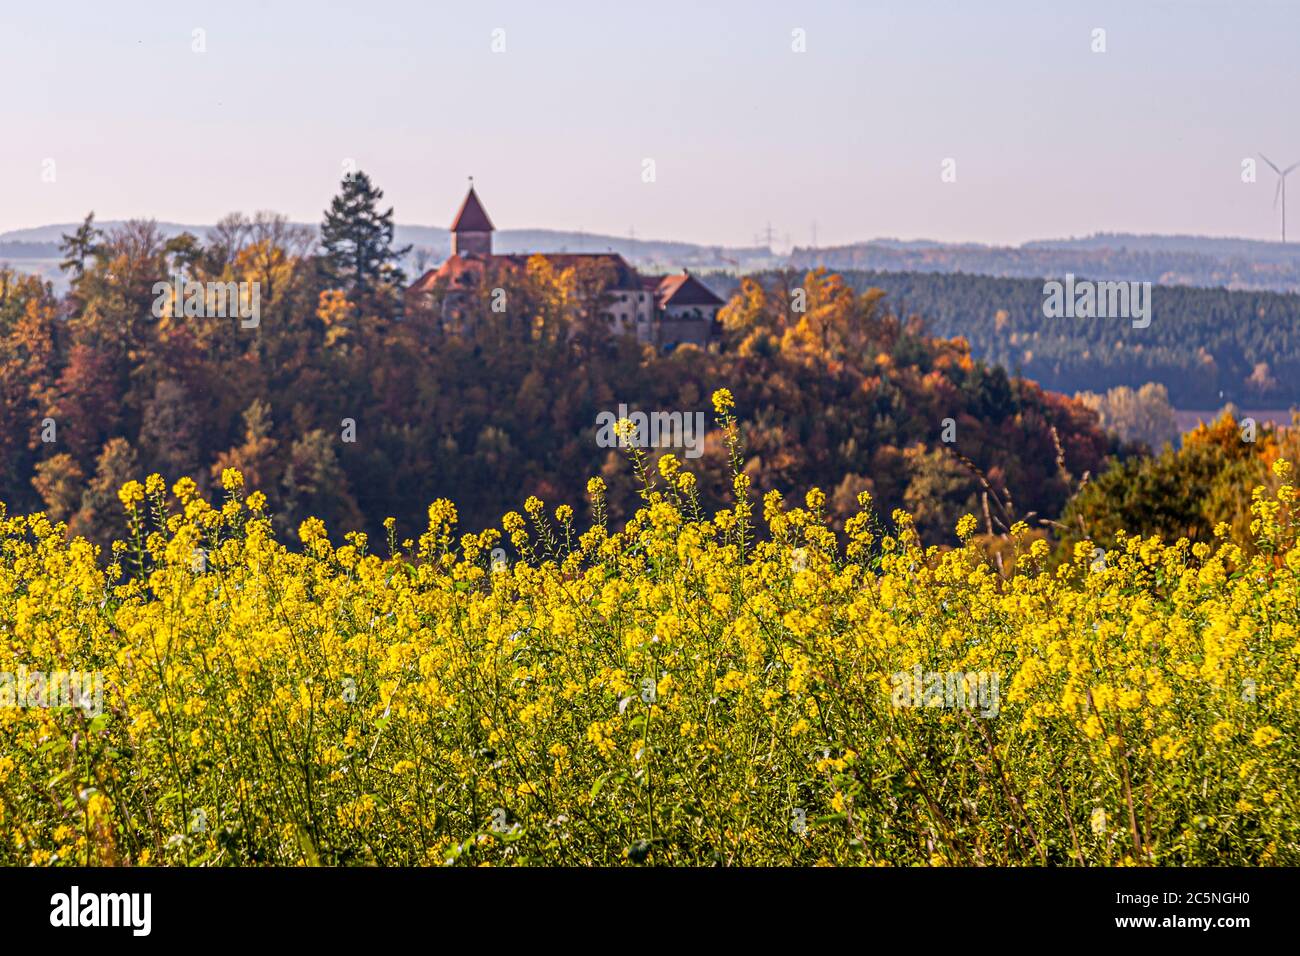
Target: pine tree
column 79, row 246
column 357, row 242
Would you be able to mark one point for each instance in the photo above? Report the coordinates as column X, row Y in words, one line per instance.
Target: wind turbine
column 1281, row 188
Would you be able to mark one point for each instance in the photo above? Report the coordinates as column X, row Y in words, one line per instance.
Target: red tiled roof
column 464, row 271
column 457, row 271
column 684, row 289
column 424, row 283
column 678, row 290
column 472, row 216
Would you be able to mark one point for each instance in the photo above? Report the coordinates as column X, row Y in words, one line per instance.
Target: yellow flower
column 1265, row 736
column 185, row 490
column 670, row 647
column 722, row 401
column 131, row 494
column 231, row 479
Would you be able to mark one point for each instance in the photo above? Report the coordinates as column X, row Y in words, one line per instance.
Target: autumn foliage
column 839, row 392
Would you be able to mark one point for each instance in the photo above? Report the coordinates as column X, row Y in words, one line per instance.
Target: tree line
column 352, row 403
column 1207, row 347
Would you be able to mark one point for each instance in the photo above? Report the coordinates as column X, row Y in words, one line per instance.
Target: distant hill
column 1205, row 261
column 1225, row 246
column 1165, row 260
column 28, row 250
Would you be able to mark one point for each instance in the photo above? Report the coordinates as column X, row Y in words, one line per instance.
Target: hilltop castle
column 664, row 311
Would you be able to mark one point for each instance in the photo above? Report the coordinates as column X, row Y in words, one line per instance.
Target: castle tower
column 471, row 233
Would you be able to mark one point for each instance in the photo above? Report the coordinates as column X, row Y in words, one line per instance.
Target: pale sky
column 1050, row 138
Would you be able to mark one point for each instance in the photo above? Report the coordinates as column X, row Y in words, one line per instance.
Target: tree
column 87, row 400
column 60, row 483
column 357, row 243
column 101, row 518
column 939, row 492
column 114, row 299
column 169, row 432
column 226, row 239
column 256, row 457
column 80, row 245
column 1179, row 493
column 1143, row 416
column 185, row 253
column 315, row 484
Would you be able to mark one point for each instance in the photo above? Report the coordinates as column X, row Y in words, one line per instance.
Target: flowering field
column 692, row 689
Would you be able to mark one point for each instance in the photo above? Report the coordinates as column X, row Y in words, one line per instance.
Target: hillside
column 504, row 406
column 1207, row 346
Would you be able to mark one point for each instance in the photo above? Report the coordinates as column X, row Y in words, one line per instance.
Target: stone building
column 665, row 311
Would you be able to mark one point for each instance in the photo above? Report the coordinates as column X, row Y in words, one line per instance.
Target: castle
column 664, row 311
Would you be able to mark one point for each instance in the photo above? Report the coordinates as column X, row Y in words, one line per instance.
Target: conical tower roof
column 472, row 216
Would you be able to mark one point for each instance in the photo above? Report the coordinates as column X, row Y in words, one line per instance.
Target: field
column 689, row 689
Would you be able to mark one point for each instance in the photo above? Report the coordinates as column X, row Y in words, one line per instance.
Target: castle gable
column 663, row 310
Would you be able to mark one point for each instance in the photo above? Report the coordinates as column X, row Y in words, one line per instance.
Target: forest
column 1198, row 261
column 1207, row 347
column 349, row 403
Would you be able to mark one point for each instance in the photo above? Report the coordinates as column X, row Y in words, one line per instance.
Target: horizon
column 832, row 135
column 9, row 235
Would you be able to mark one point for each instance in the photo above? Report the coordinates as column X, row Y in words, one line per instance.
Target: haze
column 1050, row 138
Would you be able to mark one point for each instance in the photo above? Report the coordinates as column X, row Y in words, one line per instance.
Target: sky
column 556, row 107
